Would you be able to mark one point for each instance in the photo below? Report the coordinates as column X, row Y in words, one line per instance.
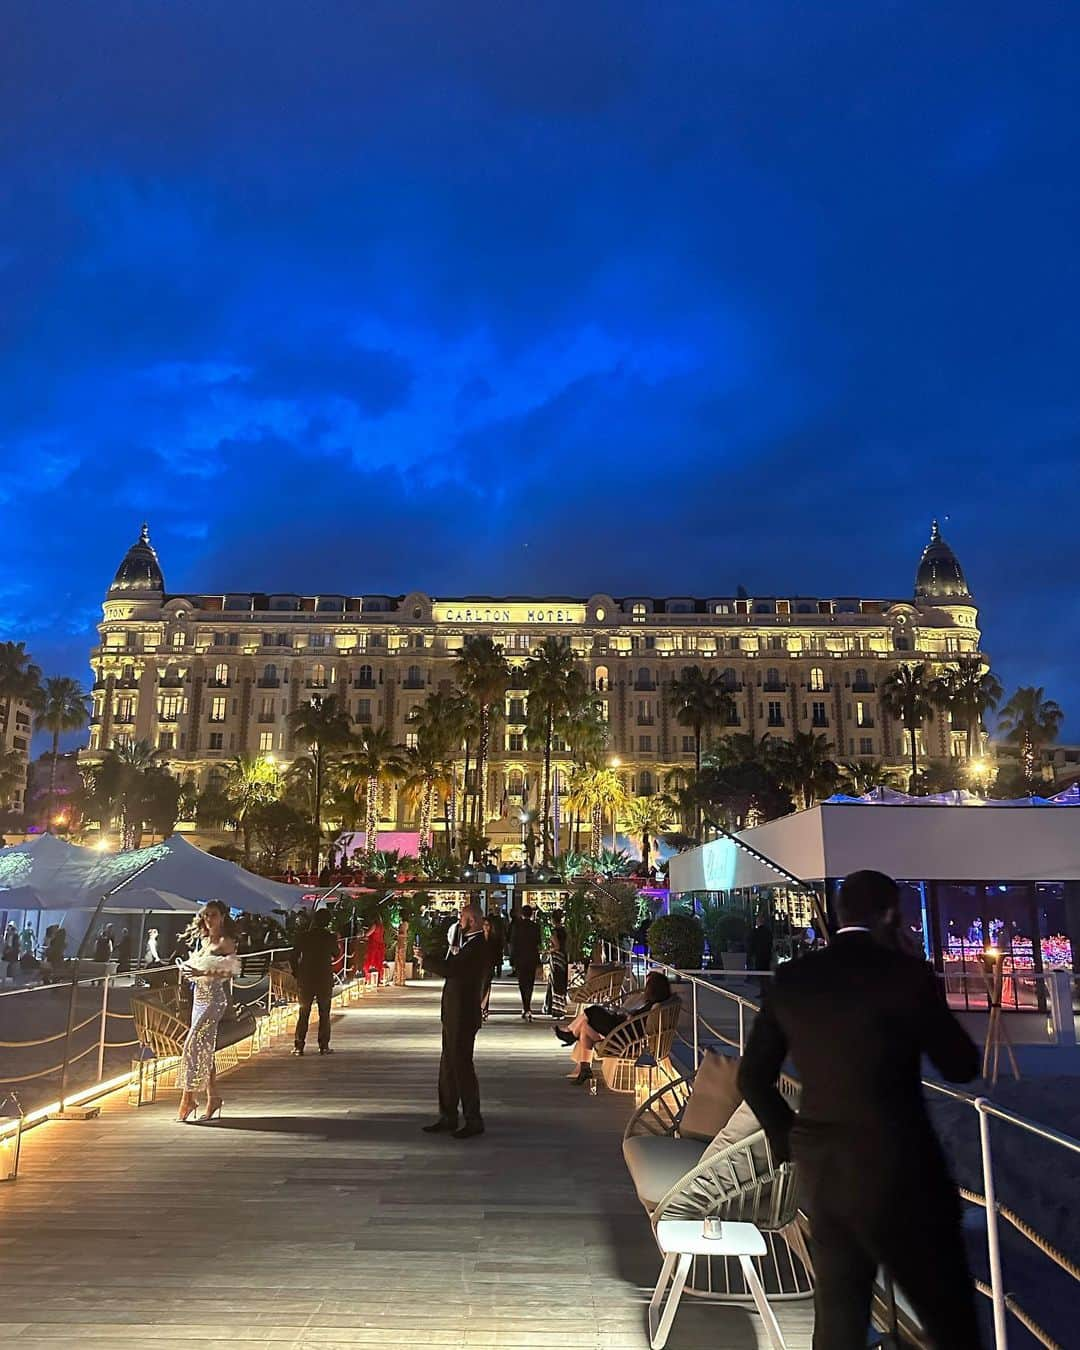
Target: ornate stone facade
column 207, row 677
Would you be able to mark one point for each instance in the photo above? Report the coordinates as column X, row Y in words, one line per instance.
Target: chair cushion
column 713, row 1098
column 742, row 1125
column 657, row 1161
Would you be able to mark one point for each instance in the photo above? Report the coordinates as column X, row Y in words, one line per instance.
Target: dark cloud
column 558, row 298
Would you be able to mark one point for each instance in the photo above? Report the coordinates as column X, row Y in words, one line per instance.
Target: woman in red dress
column 375, row 951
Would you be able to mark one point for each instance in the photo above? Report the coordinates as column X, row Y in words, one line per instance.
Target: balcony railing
column 414, row 684
column 358, row 684
column 218, row 684
column 775, row 722
column 266, row 682
column 264, row 718
column 773, row 688
column 170, row 682
column 867, row 722
column 819, row 722
column 646, row 721
column 863, row 687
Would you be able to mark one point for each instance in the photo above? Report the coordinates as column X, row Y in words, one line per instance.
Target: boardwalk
column 316, row 1214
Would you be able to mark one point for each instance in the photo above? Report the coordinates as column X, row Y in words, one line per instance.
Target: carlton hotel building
column 206, row 677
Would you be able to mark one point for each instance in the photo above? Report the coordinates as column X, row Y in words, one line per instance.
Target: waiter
column 466, row 972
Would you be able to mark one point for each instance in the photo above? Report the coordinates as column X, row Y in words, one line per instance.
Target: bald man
column 466, row 971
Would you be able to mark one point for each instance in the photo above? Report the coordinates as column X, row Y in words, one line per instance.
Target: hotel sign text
column 513, row 613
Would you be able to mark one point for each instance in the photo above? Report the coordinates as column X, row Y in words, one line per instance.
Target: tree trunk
column 1029, row 762
column 316, row 755
column 371, row 819
column 446, row 820
column 597, row 830
column 549, row 731
column 246, row 827
column 697, row 780
column 914, row 734
column 646, row 849
column 465, row 790
column 52, row 781
column 481, row 767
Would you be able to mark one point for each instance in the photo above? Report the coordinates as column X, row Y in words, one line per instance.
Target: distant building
column 209, row 676
column 16, row 728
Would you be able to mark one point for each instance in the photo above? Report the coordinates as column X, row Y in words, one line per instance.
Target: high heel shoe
column 184, row 1112
column 213, row 1109
column 584, row 1074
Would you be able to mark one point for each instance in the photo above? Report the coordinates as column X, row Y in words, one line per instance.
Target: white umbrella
column 23, row 898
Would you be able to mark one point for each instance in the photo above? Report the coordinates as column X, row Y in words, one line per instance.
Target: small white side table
column 680, row 1241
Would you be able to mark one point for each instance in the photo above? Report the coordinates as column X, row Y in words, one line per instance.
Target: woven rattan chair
column 652, row 1032
column 161, row 1021
column 602, row 984
column 743, row 1183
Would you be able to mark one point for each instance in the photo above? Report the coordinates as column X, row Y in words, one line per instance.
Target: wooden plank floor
column 316, row 1214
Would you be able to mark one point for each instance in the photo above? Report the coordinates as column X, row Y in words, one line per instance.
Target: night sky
column 541, row 297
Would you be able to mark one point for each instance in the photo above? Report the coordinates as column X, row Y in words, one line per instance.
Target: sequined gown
column 209, row 1003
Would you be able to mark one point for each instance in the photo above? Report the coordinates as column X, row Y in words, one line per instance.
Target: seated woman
column 589, row 1028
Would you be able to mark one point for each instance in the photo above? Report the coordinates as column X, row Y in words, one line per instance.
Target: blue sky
column 541, row 297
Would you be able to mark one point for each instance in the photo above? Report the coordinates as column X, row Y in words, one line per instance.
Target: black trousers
column 909, row 1223
column 526, row 978
column 457, row 1076
column 321, row 994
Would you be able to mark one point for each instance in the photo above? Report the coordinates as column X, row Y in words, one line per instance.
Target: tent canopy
column 69, row 877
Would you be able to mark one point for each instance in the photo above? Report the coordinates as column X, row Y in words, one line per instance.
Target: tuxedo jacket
column 855, row 1019
column 466, row 972
column 525, row 945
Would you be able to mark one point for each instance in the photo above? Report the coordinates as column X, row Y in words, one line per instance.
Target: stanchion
column 996, row 1031
column 104, row 1019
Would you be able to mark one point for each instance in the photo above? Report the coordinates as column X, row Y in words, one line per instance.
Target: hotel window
column 413, row 677
column 267, row 639
column 165, row 740
column 218, row 639
column 217, row 710
column 637, row 612
column 171, row 707
column 269, row 674
column 601, row 679
column 179, row 640
column 866, row 745
column 775, row 713
column 688, row 745
column 722, row 608
column 645, row 784
column 266, row 742
column 775, row 644
column 517, row 710
column 283, row 639
column 217, row 740
column 783, row 606
column 862, row 715
column 862, row 678
column 364, row 676
column 817, row 679
column 266, row 708
column 316, row 640
column 515, row 741
column 234, row 639
column 645, row 743
column 734, row 644
column 412, row 740
column 318, row 676
column 221, row 674
column 817, row 715
column 125, row 710
column 418, row 640
column 132, row 640
column 363, row 710
column 772, row 678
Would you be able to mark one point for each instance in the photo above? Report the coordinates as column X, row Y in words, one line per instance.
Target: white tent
column 176, row 867
column 35, row 862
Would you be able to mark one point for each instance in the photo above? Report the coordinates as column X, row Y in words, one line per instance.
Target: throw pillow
column 714, row 1096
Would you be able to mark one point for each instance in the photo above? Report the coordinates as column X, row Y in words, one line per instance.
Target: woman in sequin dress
column 209, row 968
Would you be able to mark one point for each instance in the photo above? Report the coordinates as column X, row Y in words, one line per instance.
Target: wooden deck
column 316, row 1214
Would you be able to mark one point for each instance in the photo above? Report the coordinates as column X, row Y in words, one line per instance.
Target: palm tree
column 907, row 694
column 61, row 705
column 377, row 761
column 583, row 727
column 804, row 765
column 596, row 792
column 462, row 724
column 252, row 782
column 699, row 699
column 553, row 691
column 323, row 726
column 864, row 775
column 19, row 677
column 120, row 787
column 431, row 762
column 970, row 688
column 484, row 674
column 1030, row 721
column 645, row 818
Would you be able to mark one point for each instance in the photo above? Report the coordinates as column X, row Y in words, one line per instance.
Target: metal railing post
column 697, row 1055
column 742, row 1026
column 104, row 1019
column 993, row 1245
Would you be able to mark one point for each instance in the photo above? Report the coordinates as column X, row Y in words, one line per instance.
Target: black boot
column 584, row 1074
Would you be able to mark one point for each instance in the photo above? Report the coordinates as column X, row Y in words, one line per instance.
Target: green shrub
column 724, row 927
column 615, row 909
column 677, row 940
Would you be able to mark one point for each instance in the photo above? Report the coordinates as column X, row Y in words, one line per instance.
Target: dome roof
column 140, row 570
column 940, row 576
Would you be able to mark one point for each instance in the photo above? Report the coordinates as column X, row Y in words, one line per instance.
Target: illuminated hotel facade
column 204, row 678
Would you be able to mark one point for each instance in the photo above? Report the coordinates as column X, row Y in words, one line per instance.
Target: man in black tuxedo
column 525, row 957
column 466, row 972
column 314, row 951
column 856, row 1018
